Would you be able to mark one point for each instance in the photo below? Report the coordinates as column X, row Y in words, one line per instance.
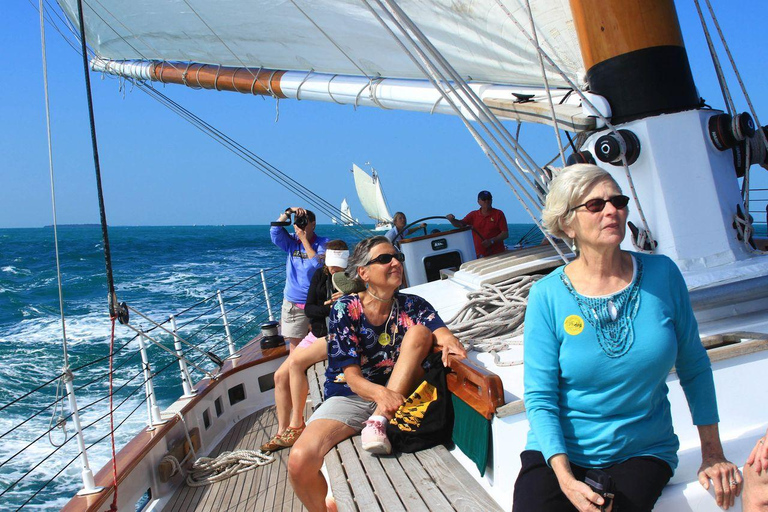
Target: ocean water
column 158, row 271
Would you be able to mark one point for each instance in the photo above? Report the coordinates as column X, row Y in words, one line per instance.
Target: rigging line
column 136, row 390
column 482, row 114
column 584, row 100
column 330, row 39
column 335, row 211
column 28, row 393
column 716, row 62
column 736, row 72
column 483, row 145
column 113, row 506
column 112, row 300
column 248, row 156
column 48, row 482
column 35, row 415
column 546, row 84
column 128, row 416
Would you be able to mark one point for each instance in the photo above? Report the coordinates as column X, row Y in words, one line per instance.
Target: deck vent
column 236, row 394
column 207, row 418
column 219, row 407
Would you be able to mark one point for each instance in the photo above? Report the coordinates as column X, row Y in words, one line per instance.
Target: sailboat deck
column 265, row 488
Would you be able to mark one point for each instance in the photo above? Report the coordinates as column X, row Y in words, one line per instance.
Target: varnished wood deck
column 265, row 488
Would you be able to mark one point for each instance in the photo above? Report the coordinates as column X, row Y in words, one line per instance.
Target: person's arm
column 315, row 307
column 758, row 457
column 445, row 339
column 695, row 372
column 387, row 400
column 416, row 228
column 311, row 253
column 578, row 493
column 456, row 222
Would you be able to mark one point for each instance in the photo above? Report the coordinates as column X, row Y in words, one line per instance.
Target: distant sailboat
column 346, row 215
column 372, row 197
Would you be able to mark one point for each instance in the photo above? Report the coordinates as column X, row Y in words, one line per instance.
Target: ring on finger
column 734, row 483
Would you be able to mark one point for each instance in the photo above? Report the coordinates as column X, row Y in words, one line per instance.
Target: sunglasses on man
column 598, row 204
column 386, row 258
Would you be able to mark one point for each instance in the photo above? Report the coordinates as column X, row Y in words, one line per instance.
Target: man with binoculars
column 305, row 255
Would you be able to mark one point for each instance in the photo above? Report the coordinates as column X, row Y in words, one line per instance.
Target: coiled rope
column 207, row 470
column 492, row 315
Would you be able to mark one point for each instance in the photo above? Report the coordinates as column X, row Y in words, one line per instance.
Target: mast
column 635, row 57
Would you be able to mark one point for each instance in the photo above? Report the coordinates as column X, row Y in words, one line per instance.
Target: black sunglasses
column 386, row 258
column 597, row 205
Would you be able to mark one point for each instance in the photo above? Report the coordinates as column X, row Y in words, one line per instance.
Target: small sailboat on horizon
column 346, row 215
column 372, row 198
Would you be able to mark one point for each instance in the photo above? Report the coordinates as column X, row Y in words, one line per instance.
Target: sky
column 159, row 170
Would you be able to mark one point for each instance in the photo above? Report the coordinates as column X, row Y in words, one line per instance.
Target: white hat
column 334, row 258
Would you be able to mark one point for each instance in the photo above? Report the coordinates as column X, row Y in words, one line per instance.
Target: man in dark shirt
column 489, row 226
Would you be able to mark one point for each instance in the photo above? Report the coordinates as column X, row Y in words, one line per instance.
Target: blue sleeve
column 343, row 338
column 421, row 312
column 541, row 353
column 320, row 249
column 281, row 238
column 693, row 366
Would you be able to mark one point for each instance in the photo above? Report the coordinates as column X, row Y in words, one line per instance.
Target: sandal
column 290, row 436
column 273, row 444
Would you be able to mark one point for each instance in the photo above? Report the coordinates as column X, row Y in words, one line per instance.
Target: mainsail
column 339, row 37
column 370, row 194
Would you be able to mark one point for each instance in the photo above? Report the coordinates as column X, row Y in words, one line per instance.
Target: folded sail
column 335, row 36
column 370, row 194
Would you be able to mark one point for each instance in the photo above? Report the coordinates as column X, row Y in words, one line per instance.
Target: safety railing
column 158, row 362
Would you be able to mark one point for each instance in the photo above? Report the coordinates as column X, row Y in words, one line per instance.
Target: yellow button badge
column 573, row 325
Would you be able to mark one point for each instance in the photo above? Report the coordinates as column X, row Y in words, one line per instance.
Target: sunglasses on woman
column 598, row 204
column 386, row 258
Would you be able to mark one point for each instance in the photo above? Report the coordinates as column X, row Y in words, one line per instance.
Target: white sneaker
column 374, row 436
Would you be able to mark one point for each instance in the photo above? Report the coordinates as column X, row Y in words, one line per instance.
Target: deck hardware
column 186, row 380
column 610, row 148
column 153, row 411
column 230, row 344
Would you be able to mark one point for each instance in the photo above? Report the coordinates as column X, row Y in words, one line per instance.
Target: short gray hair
column 566, row 190
column 362, row 254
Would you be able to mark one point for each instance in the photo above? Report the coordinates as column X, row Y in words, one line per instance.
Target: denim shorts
column 350, row 410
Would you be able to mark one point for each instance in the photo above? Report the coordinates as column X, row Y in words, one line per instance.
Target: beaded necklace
column 612, row 315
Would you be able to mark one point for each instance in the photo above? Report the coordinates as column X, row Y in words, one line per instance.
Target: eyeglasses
column 598, row 204
column 386, row 258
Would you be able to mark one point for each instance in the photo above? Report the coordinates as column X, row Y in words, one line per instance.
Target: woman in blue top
column 377, row 340
column 601, row 335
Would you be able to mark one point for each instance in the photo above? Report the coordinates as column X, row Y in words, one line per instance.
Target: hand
column 453, row 347
column 336, row 296
column 423, row 225
column 487, row 243
column 450, row 217
column 758, row 457
column 582, row 496
column 722, row 473
column 300, row 233
column 389, row 401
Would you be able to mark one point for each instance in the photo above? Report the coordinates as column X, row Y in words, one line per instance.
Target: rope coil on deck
column 207, row 470
column 493, row 315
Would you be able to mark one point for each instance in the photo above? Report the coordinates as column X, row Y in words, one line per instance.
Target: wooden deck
column 262, row 489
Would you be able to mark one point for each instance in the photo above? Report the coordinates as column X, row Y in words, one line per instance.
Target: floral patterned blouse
column 353, row 340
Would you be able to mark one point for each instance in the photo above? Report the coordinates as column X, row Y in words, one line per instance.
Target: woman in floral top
column 377, row 341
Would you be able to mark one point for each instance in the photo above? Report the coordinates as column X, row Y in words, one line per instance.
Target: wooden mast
column 264, row 82
column 634, row 55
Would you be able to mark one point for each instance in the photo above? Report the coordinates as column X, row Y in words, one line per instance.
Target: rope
column 492, row 315
column 113, row 505
column 207, row 470
column 546, row 84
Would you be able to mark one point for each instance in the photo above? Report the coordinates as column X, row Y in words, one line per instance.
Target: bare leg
column 306, row 459
column 408, row 371
column 298, row 363
column 292, row 343
column 283, row 395
column 755, row 497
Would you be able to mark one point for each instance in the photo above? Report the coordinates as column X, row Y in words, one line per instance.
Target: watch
column 288, row 211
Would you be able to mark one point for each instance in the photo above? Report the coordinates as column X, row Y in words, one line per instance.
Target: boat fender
column 580, row 157
column 726, row 132
column 610, row 148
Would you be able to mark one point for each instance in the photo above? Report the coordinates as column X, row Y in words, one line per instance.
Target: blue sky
column 159, row 170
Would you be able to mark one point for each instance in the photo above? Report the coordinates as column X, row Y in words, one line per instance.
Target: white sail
column 370, row 194
column 336, row 36
column 346, row 213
